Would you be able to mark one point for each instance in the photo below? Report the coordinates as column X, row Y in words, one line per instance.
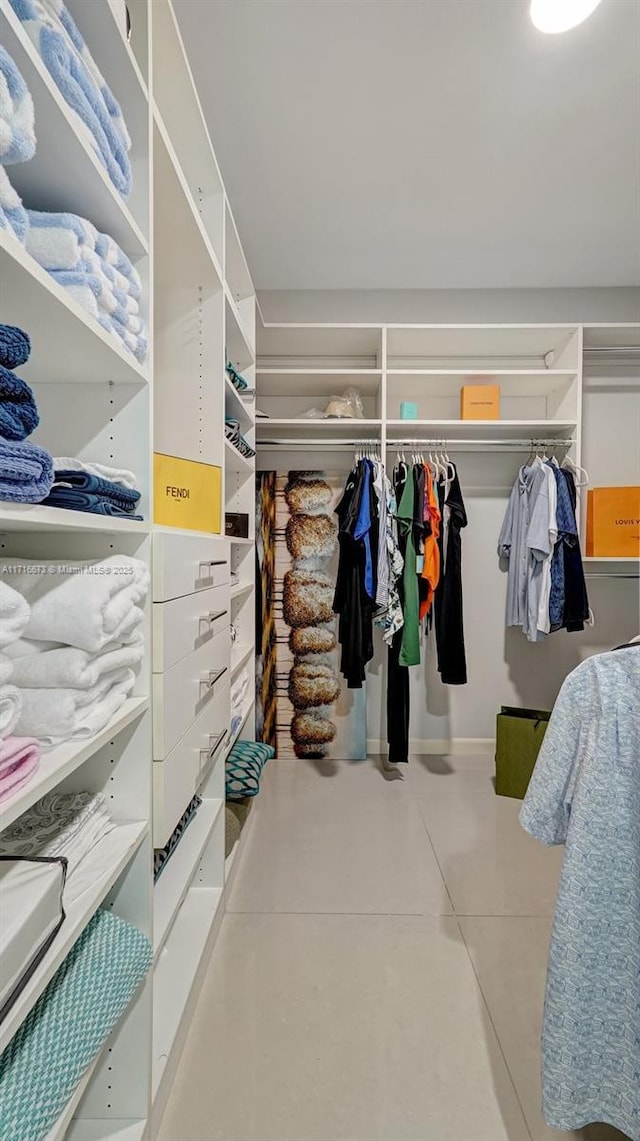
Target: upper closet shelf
column 468, row 429
column 57, row 764
column 65, row 173
column 67, row 343
column 121, row 844
column 98, row 25
column 237, row 407
column 185, row 257
column 334, row 426
column 238, row 346
column 37, row 517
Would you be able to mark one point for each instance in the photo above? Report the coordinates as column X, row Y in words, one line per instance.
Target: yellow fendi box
column 613, row 522
column 480, row 402
column 186, row 494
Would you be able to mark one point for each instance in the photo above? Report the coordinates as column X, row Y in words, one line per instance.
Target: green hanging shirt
column 410, row 646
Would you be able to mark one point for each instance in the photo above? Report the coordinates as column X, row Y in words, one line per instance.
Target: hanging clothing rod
column 440, row 441
column 611, row 574
column 623, row 350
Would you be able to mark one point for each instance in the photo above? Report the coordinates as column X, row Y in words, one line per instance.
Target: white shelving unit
column 98, row 403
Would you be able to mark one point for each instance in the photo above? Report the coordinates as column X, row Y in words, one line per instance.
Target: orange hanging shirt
column 431, row 565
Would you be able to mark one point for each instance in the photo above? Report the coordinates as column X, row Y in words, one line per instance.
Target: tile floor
column 380, row 970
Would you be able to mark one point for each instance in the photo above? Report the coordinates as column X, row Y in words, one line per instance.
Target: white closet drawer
column 183, row 564
column 181, row 693
column 185, row 624
column 176, row 779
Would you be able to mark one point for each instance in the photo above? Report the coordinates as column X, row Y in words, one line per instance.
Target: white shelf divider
column 174, row 882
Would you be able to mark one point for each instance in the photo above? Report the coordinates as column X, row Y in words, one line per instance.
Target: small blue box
column 408, row 410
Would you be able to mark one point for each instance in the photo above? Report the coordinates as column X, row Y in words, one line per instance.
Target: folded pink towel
column 19, row 759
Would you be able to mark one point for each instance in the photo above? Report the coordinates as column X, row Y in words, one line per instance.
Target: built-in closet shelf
column 239, row 349
column 234, row 405
column 343, row 427
column 243, row 721
column 186, row 247
column 240, row 589
column 57, row 764
column 121, row 844
column 317, row 381
column 176, row 970
column 174, row 882
column 67, row 343
column 470, row 429
column 241, row 542
column 111, row 51
column 234, row 461
column 107, row 1129
column 37, row 517
column 240, row 655
column 231, row 861
column 65, row 172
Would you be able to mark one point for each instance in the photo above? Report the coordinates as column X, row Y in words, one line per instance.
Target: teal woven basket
column 46, row 1058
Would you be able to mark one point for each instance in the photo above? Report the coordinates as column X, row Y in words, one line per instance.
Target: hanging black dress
column 448, row 616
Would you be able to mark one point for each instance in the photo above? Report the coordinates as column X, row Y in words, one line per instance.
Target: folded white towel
column 6, row 669
column 14, row 610
column 70, row 668
column 84, row 604
column 10, row 710
column 103, row 471
column 57, row 715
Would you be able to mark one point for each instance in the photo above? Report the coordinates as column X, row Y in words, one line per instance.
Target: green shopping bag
column 519, row 735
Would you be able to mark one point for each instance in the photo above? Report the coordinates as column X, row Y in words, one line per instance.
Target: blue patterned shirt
column 585, row 794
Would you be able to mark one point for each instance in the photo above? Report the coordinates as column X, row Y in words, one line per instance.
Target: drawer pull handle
column 213, row 749
column 208, row 563
column 213, row 676
column 214, row 615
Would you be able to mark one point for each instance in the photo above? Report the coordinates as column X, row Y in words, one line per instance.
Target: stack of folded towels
column 73, row 665
column 97, row 114
column 17, row 141
column 19, row 755
column 93, row 269
column 97, row 488
column 26, row 471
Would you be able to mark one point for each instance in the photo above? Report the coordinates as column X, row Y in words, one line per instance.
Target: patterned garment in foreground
column 585, row 793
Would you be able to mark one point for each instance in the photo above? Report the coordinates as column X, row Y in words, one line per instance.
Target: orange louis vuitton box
column 613, row 522
column 480, row 402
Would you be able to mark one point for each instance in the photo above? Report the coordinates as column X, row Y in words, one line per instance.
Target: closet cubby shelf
column 112, row 1129
column 351, row 426
column 236, row 462
column 239, row 349
column 123, row 844
column 111, row 50
column 240, row 655
column 238, row 542
column 234, row 405
column 240, row 589
column 173, row 884
column 65, row 173
column 37, row 517
column 58, row 763
column 68, row 343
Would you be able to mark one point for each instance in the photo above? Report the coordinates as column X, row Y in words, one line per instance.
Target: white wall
column 451, row 305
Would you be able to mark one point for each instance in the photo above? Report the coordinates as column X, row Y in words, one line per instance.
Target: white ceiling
column 423, row 143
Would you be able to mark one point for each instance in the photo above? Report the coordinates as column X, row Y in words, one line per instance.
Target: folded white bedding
column 14, row 611
column 74, row 825
column 70, row 668
column 58, row 715
column 10, row 710
column 83, row 604
column 6, row 669
column 103, row 471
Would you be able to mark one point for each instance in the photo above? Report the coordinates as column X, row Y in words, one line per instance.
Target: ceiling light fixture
column 560, row 15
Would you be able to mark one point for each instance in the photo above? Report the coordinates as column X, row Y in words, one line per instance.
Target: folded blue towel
column 15, row 346
column 26, row 472
column 73, row 500
column 13, row 215
column 18, row 412
column 74, row 73
column 124, row 497
column 17, row 135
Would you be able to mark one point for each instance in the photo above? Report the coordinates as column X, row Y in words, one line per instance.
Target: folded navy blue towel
column 26, row 472
column 123, row 497
column 18, row 412
column 74, row 500
column 15, row 346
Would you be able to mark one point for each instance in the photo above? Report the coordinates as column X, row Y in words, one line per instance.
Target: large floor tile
column 510, row 959
column 350, row 842
column 491, row 866
column 342, row 1028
